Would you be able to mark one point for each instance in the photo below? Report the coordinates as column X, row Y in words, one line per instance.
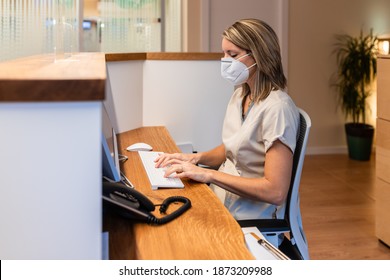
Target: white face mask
column 234, row 70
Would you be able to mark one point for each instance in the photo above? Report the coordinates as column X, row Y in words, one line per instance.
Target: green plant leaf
column 356, row 61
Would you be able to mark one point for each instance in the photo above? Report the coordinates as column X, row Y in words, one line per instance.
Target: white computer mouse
column 139, row 147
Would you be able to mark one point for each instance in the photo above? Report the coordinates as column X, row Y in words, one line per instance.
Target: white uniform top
column 247, row 141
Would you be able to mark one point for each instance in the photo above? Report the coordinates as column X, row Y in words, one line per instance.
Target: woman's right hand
column 166, row 159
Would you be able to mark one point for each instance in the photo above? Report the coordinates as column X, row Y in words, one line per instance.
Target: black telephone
column 133, row 205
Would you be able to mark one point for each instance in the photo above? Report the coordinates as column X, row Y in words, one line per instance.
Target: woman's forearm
column 212, row 158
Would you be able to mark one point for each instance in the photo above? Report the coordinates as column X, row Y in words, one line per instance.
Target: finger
column 179, row 175
column 177, row 168
column 160, row 161
column 169, row 171
column 174, row 161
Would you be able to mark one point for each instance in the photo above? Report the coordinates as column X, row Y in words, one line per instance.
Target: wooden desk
column 206, row 231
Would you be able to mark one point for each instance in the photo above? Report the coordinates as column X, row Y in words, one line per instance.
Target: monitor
column 87, row 24
column 111, row 168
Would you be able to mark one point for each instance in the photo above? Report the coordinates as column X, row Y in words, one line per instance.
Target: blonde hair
column 261, row 41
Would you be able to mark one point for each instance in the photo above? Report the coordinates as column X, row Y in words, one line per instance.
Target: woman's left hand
column 185, row 169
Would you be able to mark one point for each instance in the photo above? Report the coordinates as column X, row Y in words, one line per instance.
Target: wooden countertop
column 206, row 231
column 80, row 77
column 163, row 56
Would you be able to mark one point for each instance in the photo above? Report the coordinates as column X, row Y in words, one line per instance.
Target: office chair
column 295, row 246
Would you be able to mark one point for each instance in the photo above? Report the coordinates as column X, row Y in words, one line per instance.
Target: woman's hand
column 180, row 169
column 165, row 160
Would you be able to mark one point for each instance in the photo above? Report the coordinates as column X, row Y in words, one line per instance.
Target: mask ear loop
column 245, row 55
column 254, row 64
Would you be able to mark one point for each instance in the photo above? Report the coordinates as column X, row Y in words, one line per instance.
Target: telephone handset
column 133, row 205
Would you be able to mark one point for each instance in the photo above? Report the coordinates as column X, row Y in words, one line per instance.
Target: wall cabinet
column 383, row 151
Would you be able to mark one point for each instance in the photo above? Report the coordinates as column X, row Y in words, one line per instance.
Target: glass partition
column 132, row 26
column 29, row 27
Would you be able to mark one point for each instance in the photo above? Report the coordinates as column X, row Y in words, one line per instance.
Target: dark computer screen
column 110, row 162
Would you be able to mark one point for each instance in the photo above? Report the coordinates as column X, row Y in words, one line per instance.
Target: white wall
column 188, row 97
column 312, row 27
column 124, row 94
column 223, row 13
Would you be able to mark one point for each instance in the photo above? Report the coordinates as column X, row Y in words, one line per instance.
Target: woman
column 259, row 131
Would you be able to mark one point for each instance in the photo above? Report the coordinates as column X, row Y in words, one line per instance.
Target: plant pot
column 359, row 140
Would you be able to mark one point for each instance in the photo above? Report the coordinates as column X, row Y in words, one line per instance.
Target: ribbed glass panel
column 29, row 27
column 173, row 26
column 130, row 26
column 65, row 25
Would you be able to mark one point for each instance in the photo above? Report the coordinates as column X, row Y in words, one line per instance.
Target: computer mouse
column 139, row 147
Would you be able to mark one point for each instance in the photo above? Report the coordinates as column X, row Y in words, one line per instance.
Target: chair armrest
column 266, row 225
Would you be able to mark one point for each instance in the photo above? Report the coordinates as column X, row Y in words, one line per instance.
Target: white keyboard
column 156, row 175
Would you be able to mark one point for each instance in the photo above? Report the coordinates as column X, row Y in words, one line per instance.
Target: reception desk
column 50, row 184
column 50, row 188
column 206, row 231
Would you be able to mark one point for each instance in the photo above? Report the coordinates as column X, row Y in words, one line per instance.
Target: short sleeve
column 280, row 122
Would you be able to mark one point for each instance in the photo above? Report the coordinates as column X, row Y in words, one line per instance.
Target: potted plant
column 356, row 61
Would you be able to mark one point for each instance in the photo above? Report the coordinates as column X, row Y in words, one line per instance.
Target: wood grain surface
column 80, row 77
column 206, row 231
